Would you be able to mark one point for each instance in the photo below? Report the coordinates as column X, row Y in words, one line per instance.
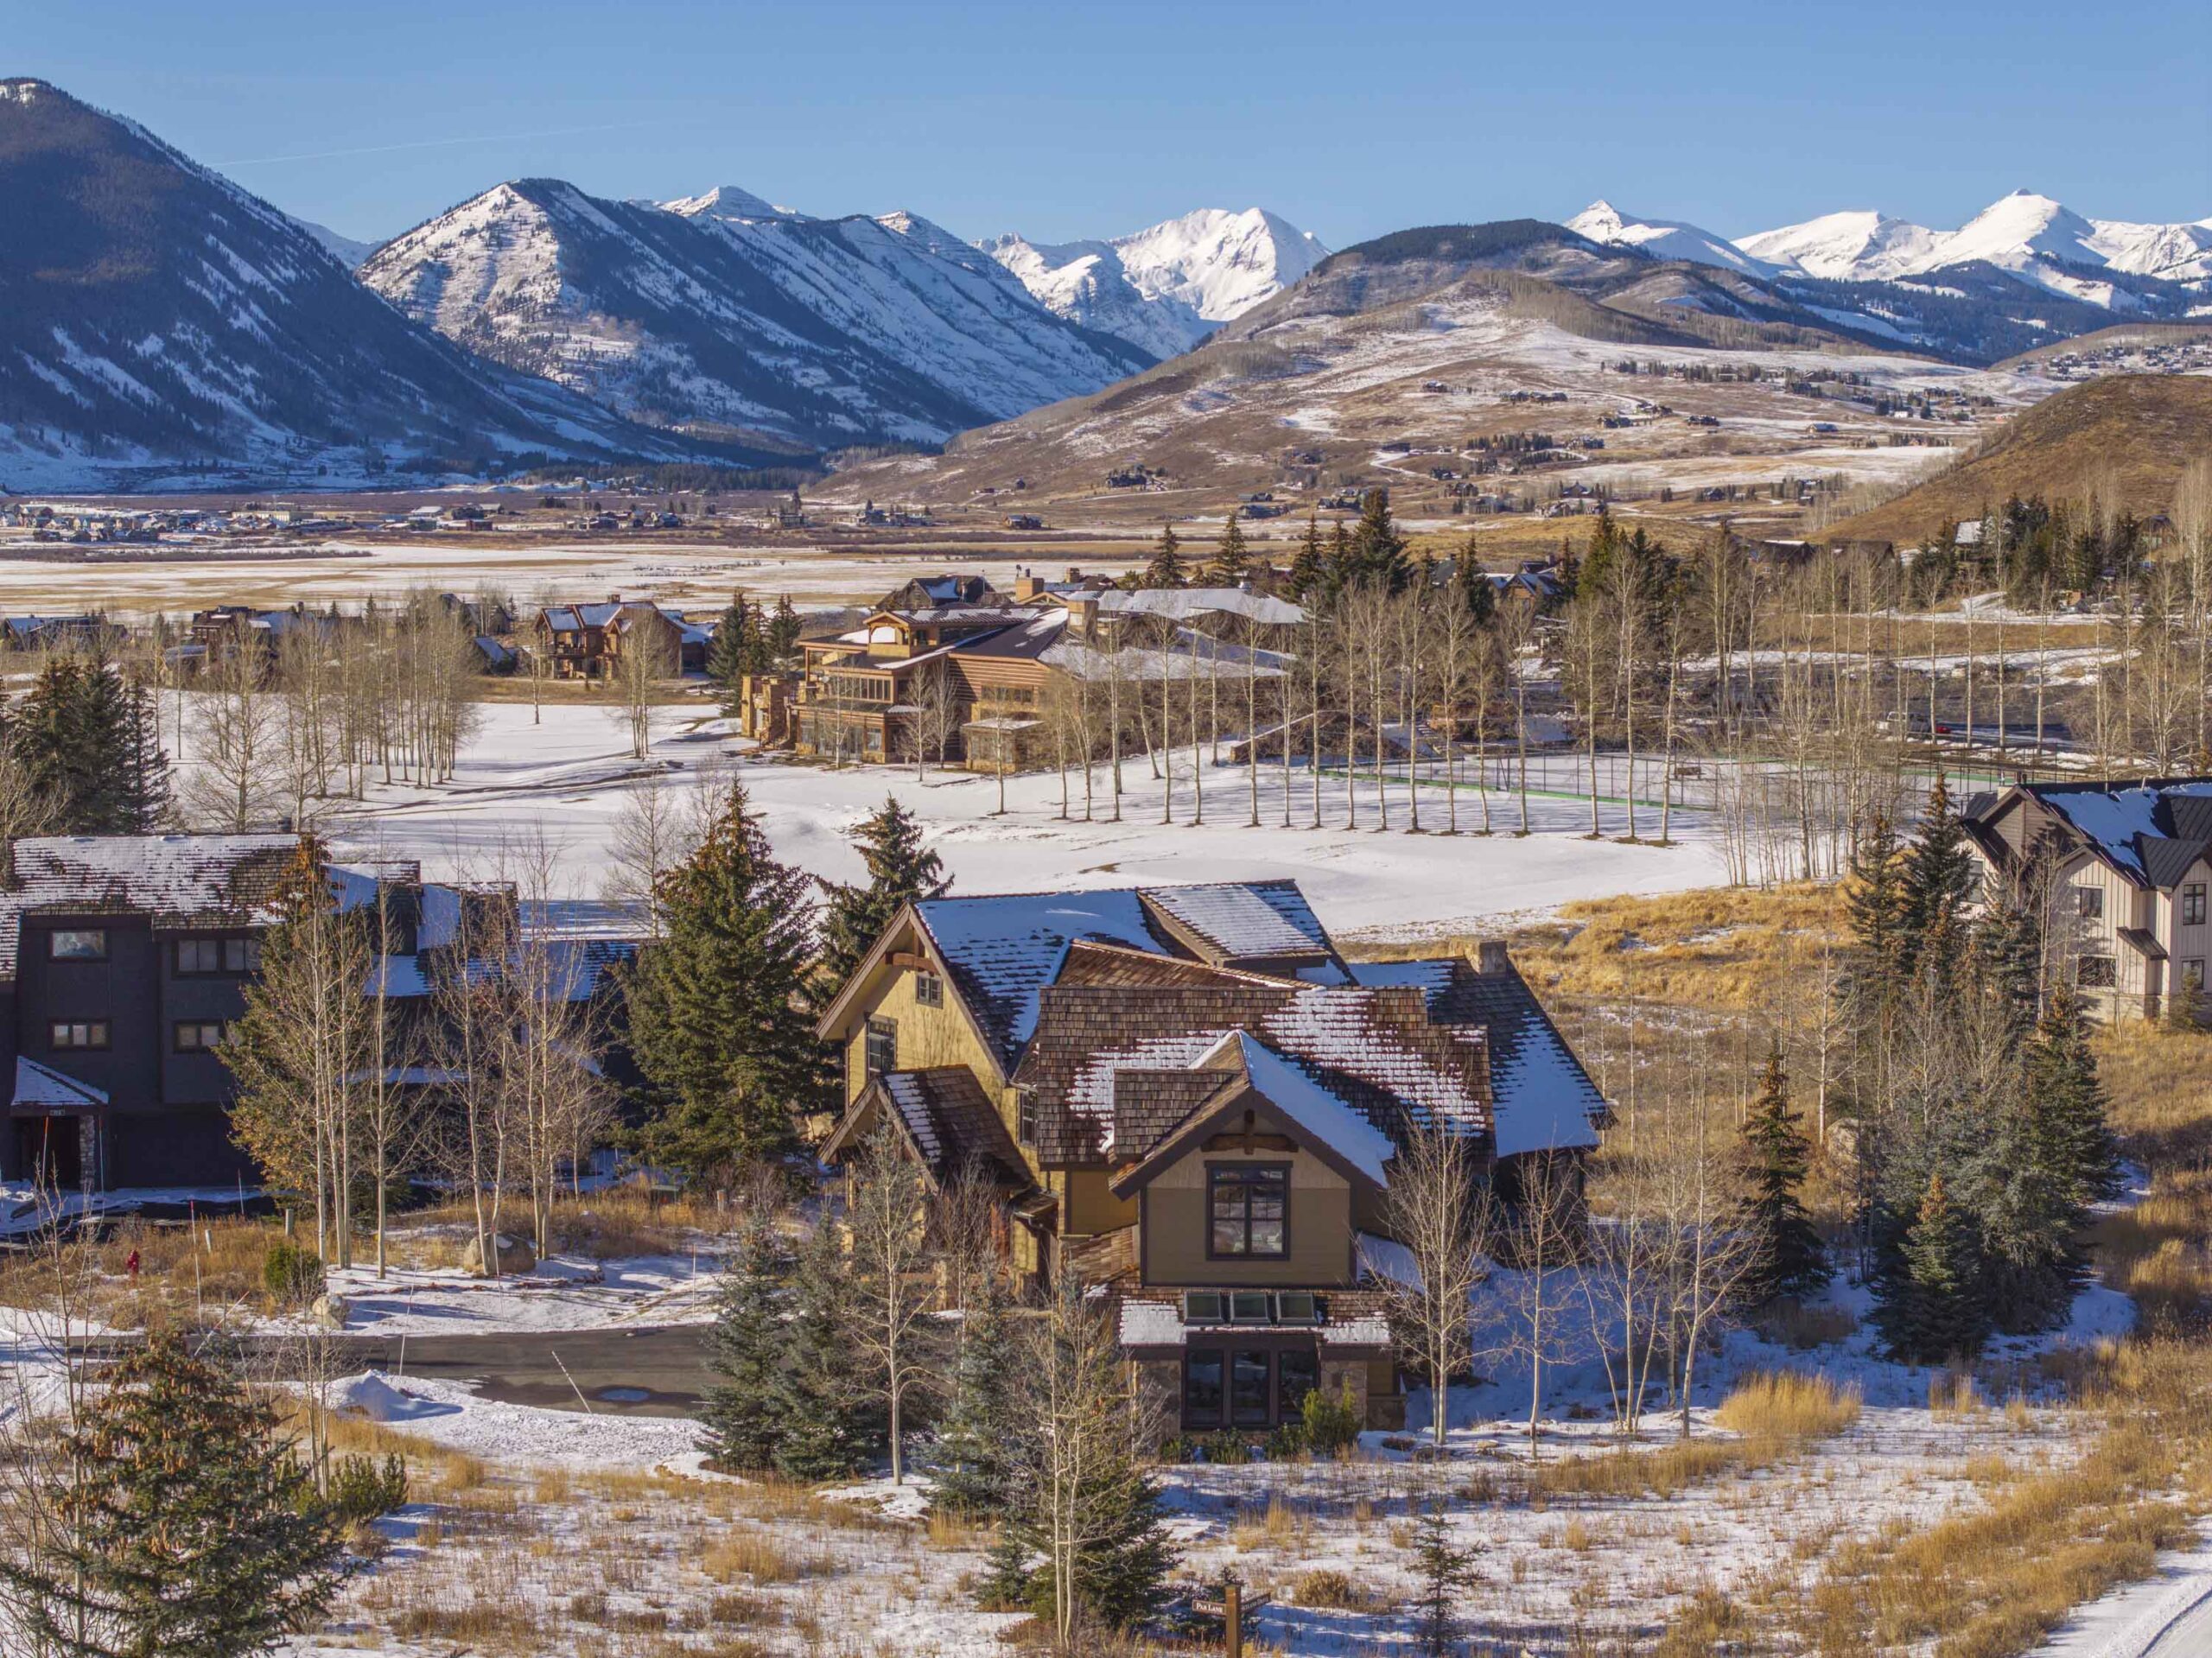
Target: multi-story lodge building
column 124, row 963
column 1187, row 1096
column 2121, row 873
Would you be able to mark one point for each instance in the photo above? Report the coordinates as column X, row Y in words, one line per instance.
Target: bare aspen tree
column 1545, row 1231
column 637, row 676
column 886, row 1225
column 236, row 783
column 1439, row 1210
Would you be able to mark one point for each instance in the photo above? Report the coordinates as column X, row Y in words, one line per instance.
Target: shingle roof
column 1542, row 1097
column 1002, row 950
column 951, row 1121
column 2151, row 832
column 1246, row 918
column 171, row 877
column 42, row 1088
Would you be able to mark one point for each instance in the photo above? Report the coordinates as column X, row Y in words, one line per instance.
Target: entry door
column 49, row 1152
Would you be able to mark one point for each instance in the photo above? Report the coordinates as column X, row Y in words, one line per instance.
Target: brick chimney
column 1490, row 957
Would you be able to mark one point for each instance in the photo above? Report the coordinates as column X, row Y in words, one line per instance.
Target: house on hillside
column 124, row 963
column 2120, row 874
column 1186, row 1096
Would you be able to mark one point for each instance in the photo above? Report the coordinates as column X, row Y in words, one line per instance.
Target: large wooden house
column 1185, row 1096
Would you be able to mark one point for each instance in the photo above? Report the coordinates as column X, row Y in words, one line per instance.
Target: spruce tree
column 1937, row 882
column 743, row 1428
column 1232, row 563
column 1308, row 571
column 1930, row 1309
column 2067, row 1099
column 1442, row 1569
column 900, row 871
column 826, row 1428
column 184, row 1525
column 1378, row 550
column 1166, row 570
column 1788, row 1258
column 1343, row 567
column 1474, row 584
column 967, row 1455
column 779, row 636
column 728, row 663
column 719, row 1026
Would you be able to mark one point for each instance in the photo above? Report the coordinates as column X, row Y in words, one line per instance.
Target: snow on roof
column 41, row 1086
column 1004, row 949
column 1541, row 1097
column 2118, row 822
column 1420, row 976
column 171, row 876
column 1382, row 1257
column 1182, row 603
column 1246, row 918
column 1320, row 1113
column 1151, row 1323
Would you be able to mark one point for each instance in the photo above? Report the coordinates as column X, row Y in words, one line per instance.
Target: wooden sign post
column 1232, row 1619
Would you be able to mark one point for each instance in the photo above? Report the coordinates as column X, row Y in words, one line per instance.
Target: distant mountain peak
column 729, row 201
column 1663, row 238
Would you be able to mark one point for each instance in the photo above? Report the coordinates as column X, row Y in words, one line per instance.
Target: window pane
column 1248, row 1382
column 1296, row 1375
column 81, row 944
column 1229, row 1237
column 1202, row 1386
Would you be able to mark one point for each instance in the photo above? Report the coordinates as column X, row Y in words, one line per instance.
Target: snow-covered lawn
column 569, row 775
column 561, row 1293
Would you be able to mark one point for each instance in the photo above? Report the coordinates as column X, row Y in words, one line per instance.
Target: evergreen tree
column 900, row 871
column 743, row 1428
column 87, row 741
column 728, row 663
column 1788, row 1258
column 1475, row 591
column 145, row 778
column 1120, row 1573
column 826, row 1428
column 1378, row 550
column 1936, row 883
column 2067, row 1098
column 1166, row 570
column 718, row 1019
column 184, row 1527
column 1308, row 570
column 1929, row 1308
column 780, row 633
column 1344, row 568
column 1232, row 563
column 1442, row 1569
column 968, row 1454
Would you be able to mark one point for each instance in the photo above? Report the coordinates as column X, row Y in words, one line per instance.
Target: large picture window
column 1255, row 1385
column 1247, row 1208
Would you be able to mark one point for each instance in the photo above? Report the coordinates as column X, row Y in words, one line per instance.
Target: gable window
column 84, row 1034
column 77, row 944
column 882, row 1050
column 2095, row 972
column 2192, row 905
column 929, row 990
column 2089, row 901
column 1248, row 1206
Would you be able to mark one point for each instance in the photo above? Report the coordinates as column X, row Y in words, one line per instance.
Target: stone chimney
column 1490, row 957
column 1026, row 588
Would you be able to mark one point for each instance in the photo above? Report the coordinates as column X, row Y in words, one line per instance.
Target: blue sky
column 1062, row 121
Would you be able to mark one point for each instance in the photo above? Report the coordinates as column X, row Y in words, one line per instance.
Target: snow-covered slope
column 1165, row 288
column 1663, row 238
column 724, row 313
column 2032, row 238
column 160, row 324
column 344, row 249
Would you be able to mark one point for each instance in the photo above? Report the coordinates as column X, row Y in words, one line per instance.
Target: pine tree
column 1442, row 1569
column 1937, row 882
column 2059, row 1077
column 145, row 778
column 826, row 1429
column 743, row 1428
column 719, row 1026
column 185, row 1527
column 1166, row 570
column 780, row 635
column 87, row 741
column 1343, row 567
column 1232, row 563
column 1788, row 1258
column 968, row 1454
column 1929, row 1309
column 728, row 663
column 1475, row 590
column 1378, row 550
column 1308, row 571
column 900, row 871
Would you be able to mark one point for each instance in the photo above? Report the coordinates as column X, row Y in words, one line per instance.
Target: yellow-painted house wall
column 1319, row 1212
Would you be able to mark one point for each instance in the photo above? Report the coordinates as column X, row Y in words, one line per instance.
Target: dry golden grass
column 1993, row 1582
column 1328, row 1589
column 757, row 1557
column 1774, row 1417
column 2157, row 1252
column 2159, row 1084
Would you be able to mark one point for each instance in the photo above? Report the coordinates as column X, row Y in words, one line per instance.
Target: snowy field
column 570, row 776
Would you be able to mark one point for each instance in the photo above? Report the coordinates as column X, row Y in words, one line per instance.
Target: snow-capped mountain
column 1165, row 288
column 2033, row 238
column 1845, row 246
column 345, row 249
column 157, row 322
column 1664, row 238
column 724, row 313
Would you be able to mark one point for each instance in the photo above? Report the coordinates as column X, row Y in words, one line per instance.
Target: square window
column 77, row 944
column 2192, row 905
column 199, row 956
column 1202, row 1307
column 1250, row 1307
column 929, row 990
column 80, row 1034
column 1247, row 1207
column 1298, row 1307
column 2090, row 900
column 241, row 956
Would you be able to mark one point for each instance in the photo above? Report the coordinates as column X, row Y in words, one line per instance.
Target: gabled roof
column 947, row 1120
column 41, row 1089
column 1245, row 919
column 2151, row 832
